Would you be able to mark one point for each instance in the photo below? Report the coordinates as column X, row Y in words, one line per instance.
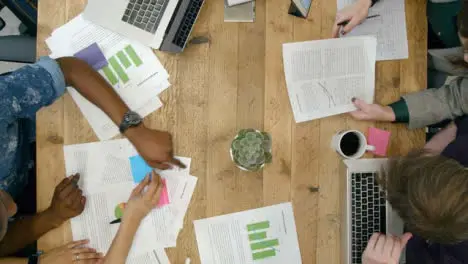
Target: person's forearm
column 93, row 87
column 13, row 261
column 26, row 230
column 434, row 105
column 122, row 243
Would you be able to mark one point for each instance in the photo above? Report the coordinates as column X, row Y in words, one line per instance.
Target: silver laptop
column 160, row 24
column 364, row 208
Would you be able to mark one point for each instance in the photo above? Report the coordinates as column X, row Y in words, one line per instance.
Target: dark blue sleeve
column 462, row 125
column 25, row 91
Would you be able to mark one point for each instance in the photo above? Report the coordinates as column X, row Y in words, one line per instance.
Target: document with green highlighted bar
column 264, row 235
column 132, row 69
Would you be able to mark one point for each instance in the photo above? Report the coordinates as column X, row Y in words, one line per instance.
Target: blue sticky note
column 139, row 168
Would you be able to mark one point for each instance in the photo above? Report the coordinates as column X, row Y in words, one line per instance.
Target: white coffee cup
column 354, row 148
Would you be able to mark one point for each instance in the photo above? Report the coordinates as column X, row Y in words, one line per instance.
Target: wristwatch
column 130, row 119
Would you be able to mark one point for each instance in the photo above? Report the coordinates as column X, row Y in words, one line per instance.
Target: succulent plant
column 251, row 149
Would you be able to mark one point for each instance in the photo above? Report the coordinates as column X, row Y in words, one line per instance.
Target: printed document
column 264, row 235
column 323, row 76
column 107, row 181
column 133, row 70
column 389, row 27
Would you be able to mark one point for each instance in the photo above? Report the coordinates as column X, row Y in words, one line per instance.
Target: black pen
column 116, row 221
column 344, row 23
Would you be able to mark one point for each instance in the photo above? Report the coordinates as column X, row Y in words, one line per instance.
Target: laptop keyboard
column 187, row 22
column 368, row 212
column 145, row 14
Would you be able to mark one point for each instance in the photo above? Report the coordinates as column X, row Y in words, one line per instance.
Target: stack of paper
column 107, row 181
column 131, row 68
column 386, row 22
column 323, row 76
column 264, row 235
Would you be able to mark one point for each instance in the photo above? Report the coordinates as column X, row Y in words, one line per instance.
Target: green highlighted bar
column 110, row 75
column 258, row 226
column 264, row 254
column 118, row 69
column 257, row 236
column 264, row 244
column 123, row 59
column 133, row 56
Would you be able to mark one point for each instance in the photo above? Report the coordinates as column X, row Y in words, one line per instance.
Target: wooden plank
column 414, row 70
column 250, row 102
column 305, row 154
column 328, row 223
column 278, row 114
column 49, row 129
column 190, row 135
column 222, row 111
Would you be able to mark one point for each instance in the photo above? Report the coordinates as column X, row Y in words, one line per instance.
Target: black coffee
column 350, row 144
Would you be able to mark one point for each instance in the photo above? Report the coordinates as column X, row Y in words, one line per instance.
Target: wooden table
column 237, row 81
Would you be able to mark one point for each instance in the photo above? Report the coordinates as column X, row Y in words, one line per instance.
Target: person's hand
column 154, row 146
column 68, row 200
column 354, row 14
column 385, row 249
column 464, row 42
column 74, row 252
column 442, row 139
column 141, row 202
column 372, row 112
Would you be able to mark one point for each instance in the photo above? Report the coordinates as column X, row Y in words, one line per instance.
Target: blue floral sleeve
column 25, row 91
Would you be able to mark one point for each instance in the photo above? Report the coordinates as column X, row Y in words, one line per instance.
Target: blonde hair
column 430, row 193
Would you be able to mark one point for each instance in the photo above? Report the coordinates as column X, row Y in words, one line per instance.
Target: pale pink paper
column 164, row 198
column 379, row 139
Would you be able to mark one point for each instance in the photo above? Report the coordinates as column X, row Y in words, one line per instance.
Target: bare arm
column 442, row 139
column 139, row 205
column 153, row 145
column 67, row 202
column 122, row 243
column 93, row 87
column 25, row 231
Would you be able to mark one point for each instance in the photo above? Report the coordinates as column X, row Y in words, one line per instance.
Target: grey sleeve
column 434, row 105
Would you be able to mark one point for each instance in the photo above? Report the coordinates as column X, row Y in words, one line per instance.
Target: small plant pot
column 251, row 150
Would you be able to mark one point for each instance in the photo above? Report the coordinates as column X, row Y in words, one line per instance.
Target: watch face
column 133, row 119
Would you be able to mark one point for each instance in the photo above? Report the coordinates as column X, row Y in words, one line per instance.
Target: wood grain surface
column 237, row 81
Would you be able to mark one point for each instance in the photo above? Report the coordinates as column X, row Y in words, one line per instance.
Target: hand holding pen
column 353, row 14
column 144, row 198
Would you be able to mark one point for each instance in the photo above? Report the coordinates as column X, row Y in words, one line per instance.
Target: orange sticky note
column 379, row 139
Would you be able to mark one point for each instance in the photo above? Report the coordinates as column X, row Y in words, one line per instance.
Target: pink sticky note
column 164, row 198
column 379, row 139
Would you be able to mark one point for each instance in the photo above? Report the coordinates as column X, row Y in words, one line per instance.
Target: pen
column 116, row 221
column 344, row 23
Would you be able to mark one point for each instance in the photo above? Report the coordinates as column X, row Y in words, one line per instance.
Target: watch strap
column 130, row 119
